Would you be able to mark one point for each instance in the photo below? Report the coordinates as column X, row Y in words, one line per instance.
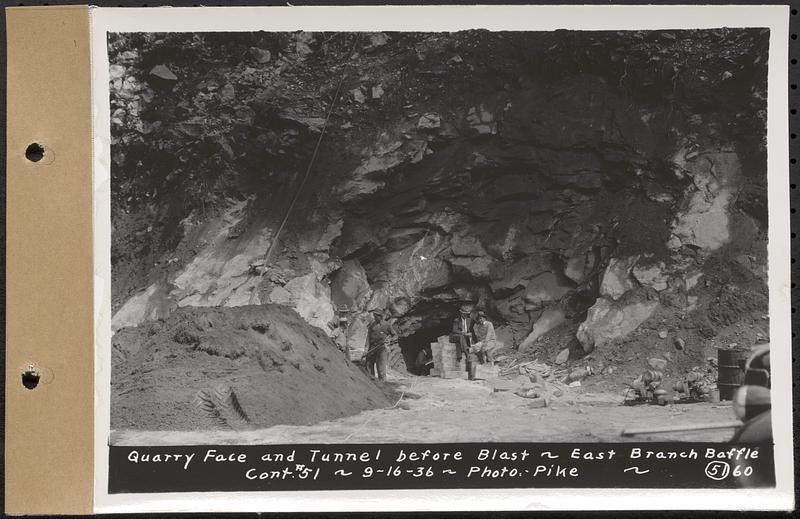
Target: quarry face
column 597, row 192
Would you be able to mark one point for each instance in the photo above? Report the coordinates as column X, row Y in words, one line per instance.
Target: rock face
column 608, row 320
column 545, row 188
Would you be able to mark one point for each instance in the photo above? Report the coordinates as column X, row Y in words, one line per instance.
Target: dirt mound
column 251, row 366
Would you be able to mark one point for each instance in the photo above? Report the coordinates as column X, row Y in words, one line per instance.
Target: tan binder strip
column 48, row 443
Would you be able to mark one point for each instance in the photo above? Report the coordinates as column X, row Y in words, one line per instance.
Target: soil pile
column 251, row 366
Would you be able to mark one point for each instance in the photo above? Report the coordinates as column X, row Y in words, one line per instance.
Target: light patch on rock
column 578, row 267
column 220, row 275
column 617, row 278
column 471, row 267
column 545, row 288
column 693, row 279
column 510, row 241
column 368, row 178
column 608, row 320
column 349, row 285
column 309, row 297
column 150, row 304
column 704, row 219
column 411, row 271
column 357, row 335
column 550, row 318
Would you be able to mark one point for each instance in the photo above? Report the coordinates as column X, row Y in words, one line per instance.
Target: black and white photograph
column 440, row 237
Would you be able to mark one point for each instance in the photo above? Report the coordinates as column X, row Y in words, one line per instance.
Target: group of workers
column 474, row 339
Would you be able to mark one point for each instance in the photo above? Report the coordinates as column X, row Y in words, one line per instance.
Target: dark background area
column 794, row 101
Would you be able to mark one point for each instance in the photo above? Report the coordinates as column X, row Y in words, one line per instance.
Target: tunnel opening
column 412, row 344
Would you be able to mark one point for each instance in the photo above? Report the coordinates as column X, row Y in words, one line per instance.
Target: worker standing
column 462, row 332
column 380, row 331
column 486, row 340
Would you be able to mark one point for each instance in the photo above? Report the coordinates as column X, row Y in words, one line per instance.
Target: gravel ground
column 436, row 410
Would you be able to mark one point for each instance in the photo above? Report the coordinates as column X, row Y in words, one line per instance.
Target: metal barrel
column 731, row 370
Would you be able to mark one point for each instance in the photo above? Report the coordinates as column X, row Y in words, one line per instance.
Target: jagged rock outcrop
column 578, row 182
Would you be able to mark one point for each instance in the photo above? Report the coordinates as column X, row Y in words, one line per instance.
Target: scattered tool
column 693, row 388
column 646, row 389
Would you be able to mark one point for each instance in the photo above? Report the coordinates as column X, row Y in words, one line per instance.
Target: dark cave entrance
column 411, row 345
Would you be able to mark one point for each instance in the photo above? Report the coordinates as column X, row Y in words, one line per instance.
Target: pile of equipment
column 646, row 389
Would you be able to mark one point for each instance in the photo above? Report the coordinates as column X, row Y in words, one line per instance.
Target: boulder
column 563, row 356
column 617, row 277
column 549, row 319
column 657, row 364
column 116, row 71
column 608, row 320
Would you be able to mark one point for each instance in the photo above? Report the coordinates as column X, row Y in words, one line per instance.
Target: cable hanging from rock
column 299, row 190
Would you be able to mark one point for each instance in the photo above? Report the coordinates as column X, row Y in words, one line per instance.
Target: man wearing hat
column 462, row 332
column 378, row 333
column 486, row 340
